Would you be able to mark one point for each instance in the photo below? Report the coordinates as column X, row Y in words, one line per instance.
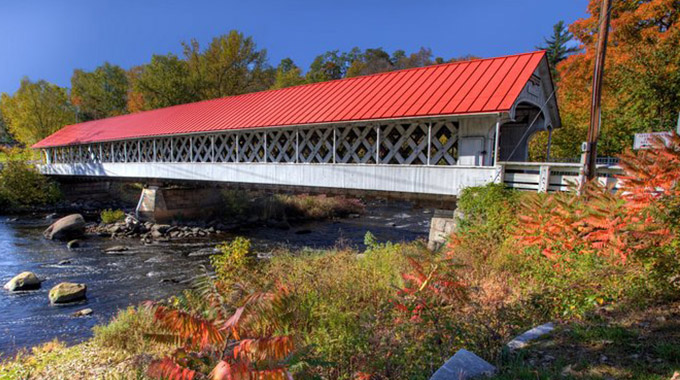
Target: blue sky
column 47, row 39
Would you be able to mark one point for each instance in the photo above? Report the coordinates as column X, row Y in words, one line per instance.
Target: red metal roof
column 477, row 86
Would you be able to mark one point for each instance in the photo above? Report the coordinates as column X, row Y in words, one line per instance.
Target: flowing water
column 147, row 272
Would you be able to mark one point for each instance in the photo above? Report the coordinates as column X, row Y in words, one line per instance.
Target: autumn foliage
column 240, row 345
column 616, row 225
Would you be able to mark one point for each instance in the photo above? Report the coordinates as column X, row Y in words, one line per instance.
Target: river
column 149, row 272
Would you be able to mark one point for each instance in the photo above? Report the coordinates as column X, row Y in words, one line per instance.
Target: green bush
column 111, row 216
column 126, row 331
column 233, row 259
column 21, row 186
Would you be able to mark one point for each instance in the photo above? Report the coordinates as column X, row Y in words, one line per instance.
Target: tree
column 36, row 110
column 100, row 93
column 331, row 65
column 5, row 137
column 164, row 82
column 641, row 89
column 556, row 46
column 231, row 65
column 288, row 74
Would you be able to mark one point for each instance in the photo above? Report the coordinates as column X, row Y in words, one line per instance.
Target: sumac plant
column 636, row 219
column 216, row 344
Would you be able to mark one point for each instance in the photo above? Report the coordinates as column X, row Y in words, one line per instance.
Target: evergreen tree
column 556, row 46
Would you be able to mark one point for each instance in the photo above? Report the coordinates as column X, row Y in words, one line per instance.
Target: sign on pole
column 644, row 140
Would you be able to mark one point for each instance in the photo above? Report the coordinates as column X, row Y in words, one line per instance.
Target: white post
column 154, row 150
column 139, row 150
column 212, row 148
column 377, row 144
column 496, row 139
column 238, row 158
column 125, row 151
column 265, row 146
column 297, row 145
column 429, row 142
column 334, row 144
column 172, row 149
column 543, row 178
column 191, row 149
column 101, row 153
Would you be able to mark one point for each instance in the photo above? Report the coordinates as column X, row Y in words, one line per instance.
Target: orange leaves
column 615, row 225
column 429, row 284
column 198, row 332
column 169, row 370
column 274, row 348
column 255, row 352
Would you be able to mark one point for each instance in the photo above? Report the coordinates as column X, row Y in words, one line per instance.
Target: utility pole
column 590, row 147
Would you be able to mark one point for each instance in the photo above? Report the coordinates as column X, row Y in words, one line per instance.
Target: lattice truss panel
column 444, row 143
column 251, row 147
column 146, row 153
column 282, row 146
column 118, row 151
column 201, row 148
column 132, row 151
column 181, row 149
column 162, row 150
column 225, row 147
column 404, row 144
column 356, row 144
column 315, row 145
column 106, row 152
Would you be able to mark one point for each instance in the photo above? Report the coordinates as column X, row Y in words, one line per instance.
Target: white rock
column 533, row 334
column 463, row 365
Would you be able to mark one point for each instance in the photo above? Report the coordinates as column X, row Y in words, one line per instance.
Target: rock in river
column 75, row 243
column 23, row 281
column 82, row 313
column 116, row 249
column 67, row 292
column 67, row 227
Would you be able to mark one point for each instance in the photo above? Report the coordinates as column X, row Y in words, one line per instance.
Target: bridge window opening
column 444, row 143
column 146, row 151
column 132, row 151
column 316, row 145
column 281, row 146
column 356, row 144
column 404, row 144
column 251, row 147
column 201, row 148
column 225, row 148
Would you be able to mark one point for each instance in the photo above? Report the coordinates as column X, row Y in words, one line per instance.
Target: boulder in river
column 82, row 313
column 116, row 249
column 23, row 281
column 67, row 292
column 75, row 243
column 65, row 228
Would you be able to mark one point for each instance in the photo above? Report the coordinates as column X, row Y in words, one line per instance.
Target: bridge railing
column 553, row 176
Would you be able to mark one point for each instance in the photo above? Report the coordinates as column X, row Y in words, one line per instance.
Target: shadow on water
column 153, row 271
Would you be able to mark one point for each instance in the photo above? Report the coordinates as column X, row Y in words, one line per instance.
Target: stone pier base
column 162, row 205
column 442, row 225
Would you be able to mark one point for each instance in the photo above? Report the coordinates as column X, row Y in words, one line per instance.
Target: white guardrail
column 553, row 176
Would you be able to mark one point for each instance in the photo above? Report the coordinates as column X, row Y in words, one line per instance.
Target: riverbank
column 152, row 271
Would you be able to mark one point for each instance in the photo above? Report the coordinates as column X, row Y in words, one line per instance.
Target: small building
column 429, row 130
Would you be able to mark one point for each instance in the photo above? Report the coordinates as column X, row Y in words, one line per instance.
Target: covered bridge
column 431, row 130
